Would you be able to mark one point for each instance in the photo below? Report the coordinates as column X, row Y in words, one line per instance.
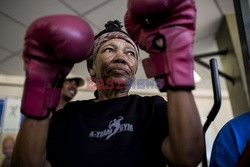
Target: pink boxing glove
column 165, row 29
column 52, row 45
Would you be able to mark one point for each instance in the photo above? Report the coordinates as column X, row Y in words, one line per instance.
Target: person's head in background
column 69, row 90
column 8, row 146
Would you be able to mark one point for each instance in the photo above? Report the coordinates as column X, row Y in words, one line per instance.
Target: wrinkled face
column 8, row 146
column 116, row 60
column 69, row 89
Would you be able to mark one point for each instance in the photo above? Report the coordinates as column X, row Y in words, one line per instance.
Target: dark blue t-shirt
column 121, row 132
column 230, row 142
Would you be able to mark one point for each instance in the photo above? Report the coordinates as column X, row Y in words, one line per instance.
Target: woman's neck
column 105, row 94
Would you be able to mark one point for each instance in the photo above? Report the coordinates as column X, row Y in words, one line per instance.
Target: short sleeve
column 160, row 105
column 56, row 143
column 157, row 122
column 160, row 115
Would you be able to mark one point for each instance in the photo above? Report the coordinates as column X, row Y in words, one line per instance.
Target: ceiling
column 16, row 16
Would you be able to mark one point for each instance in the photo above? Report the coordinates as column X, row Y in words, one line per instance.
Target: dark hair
column 111, row 26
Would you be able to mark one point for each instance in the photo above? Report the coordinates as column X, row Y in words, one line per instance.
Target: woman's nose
column 120, row 58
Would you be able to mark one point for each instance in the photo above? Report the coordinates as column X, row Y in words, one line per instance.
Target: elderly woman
column 115, row 129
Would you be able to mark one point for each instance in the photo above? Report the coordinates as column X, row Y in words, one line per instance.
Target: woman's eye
column 108, row 50
column 131, row 53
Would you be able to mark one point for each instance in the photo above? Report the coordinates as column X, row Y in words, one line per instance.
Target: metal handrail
column 217, row 101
